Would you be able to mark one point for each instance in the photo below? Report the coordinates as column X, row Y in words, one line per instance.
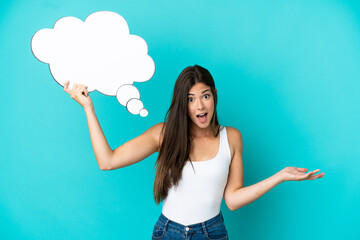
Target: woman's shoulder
column 232, row 130
column 234, row 139
column 158, row 125
column 234, row 136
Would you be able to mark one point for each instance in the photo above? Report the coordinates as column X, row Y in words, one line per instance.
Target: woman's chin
column 200, row 124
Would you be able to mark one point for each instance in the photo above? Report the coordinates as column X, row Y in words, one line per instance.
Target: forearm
column 246, row 195
column 103, row 152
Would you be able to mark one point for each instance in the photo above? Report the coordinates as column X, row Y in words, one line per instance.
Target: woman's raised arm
column 137, row 149
column 130, row 152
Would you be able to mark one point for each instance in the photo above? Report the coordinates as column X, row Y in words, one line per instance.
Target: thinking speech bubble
column 99, row 53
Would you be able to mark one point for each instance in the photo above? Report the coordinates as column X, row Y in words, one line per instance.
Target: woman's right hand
column 79, row 93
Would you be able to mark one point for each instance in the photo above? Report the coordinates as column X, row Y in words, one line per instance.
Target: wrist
column 278, row 178
column 89, row 108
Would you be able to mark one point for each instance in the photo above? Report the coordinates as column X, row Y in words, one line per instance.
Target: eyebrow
column 201, row 93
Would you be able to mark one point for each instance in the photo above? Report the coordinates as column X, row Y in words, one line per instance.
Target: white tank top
column 198, row 195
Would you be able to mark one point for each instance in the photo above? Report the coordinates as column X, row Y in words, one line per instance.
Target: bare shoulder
column 233, row 133
column 235, row 139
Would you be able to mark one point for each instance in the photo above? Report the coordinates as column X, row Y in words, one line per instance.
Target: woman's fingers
column 79, row 93
column 83, row 90
column 315, row 176
column 311, row 176
column 293, row 173
column 320, row 175
column 77, row 88
column 302, row 169
column 66, row 87
column 86, row 92
column 74, row 91
column 315, row 171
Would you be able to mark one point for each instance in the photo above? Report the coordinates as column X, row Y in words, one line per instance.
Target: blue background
column 287, row 74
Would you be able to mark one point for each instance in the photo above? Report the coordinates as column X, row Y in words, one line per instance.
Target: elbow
column 105, row 167
column 228, row 197
column 230, row 206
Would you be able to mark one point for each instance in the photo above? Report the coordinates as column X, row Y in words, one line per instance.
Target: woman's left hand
column 298, row 174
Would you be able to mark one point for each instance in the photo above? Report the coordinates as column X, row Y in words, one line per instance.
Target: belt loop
column 204, row 228
column 166, row 223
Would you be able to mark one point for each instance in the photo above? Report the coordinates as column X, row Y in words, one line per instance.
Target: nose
column 200, row 105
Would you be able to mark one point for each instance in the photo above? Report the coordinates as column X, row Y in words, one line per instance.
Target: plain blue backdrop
column 287, row 74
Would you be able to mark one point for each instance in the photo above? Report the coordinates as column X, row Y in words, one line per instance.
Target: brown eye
column 189, row 99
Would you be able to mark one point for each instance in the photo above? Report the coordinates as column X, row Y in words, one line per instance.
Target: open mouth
column 202, row 117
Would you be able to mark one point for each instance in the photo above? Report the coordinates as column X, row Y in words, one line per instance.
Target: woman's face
column 200, row 102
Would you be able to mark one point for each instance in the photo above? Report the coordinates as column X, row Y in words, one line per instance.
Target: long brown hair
column 175, row 148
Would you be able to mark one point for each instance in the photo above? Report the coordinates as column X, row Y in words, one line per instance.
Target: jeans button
column 187, row 228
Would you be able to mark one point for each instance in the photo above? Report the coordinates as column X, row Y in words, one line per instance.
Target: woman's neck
column 197, row 132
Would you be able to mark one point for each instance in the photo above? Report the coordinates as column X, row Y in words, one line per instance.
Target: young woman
column 199, row 161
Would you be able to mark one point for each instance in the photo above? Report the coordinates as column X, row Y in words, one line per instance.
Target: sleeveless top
column 199, row 193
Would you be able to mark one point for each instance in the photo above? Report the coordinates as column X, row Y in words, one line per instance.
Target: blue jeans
column 212, row 229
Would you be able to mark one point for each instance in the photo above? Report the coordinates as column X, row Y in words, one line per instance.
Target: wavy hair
column 175, row 148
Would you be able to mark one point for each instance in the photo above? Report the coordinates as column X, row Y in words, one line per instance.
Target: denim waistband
column 193, row 227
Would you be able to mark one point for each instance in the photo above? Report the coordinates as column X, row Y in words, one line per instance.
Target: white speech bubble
column 127, row 92
column 135, row 106
column 99, row 53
